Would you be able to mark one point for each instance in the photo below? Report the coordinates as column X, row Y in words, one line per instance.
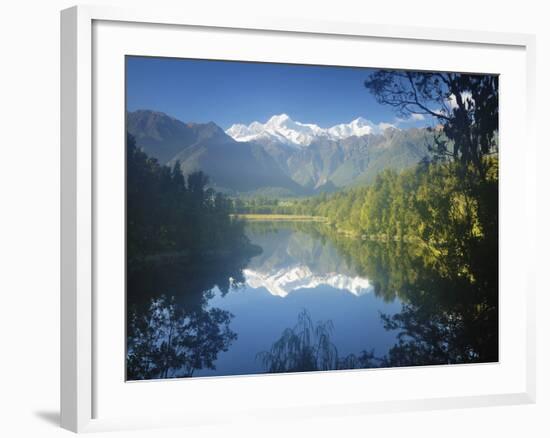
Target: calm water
column 224, row 313
column 309, row 299
column 298, row 270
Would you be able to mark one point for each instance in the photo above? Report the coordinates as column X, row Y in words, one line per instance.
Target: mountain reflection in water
column 251, row 314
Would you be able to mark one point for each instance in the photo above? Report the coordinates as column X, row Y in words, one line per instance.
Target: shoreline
column 260, row 217
column 185, row 256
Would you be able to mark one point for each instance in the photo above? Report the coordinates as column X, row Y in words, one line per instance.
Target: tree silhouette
column 465, row 105
column 170, row 212
column 308, row 347
column 305, row 347
column 165, row 341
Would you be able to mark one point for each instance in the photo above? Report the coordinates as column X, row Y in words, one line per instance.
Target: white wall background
column 29, row 216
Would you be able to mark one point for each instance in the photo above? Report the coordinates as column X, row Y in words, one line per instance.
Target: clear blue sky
column 228, row 92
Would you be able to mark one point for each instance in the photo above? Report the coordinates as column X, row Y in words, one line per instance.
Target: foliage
column 171, row 330
column 165, row 341
column 466, row 106
column 428, row 236
column 169, row 212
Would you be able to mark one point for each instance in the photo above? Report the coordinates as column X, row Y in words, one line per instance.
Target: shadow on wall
column 51, row 417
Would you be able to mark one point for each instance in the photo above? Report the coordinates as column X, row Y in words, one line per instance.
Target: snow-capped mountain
column 285, row 281
column 282, row 129
column 357, row 128
column 286, row 158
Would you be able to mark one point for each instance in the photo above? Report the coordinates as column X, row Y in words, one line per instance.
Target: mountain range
column 282, row 129
column 280, row 157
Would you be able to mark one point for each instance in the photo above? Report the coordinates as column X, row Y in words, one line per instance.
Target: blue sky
column 228, row 92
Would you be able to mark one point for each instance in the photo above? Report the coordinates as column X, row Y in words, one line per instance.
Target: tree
column 167, row 211
column 465, row 106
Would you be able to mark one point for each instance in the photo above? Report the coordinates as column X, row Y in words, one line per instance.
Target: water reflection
column 172, row 330
column 165, row 341
column 309, row 347
column 296, row 256
column 301, row 275
column 313, row 299
column 449, row 294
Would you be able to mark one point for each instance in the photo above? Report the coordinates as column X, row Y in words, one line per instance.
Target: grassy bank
column 280, row 217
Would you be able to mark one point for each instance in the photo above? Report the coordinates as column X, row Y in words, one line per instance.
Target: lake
column 298, row 270
column 308, row 298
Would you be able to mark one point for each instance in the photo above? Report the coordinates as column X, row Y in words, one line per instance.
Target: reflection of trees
column 450, row 299
column 308, row 347
column 164, row 341
column 448, row 279
column 186, row 282
column 429, row 235
column 181, row 242
column 303, row 348
column 448, row 284
column 432, row 338
column 451, row 308
column 172, row 332
column 429, row 334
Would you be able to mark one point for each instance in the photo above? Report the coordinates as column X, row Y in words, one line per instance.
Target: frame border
column 77, row 197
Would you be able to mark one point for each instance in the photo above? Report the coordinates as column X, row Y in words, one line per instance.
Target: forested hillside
column 168, row 212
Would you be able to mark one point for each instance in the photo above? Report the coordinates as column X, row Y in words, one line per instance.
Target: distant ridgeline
column 171, row 216
column 371, row 180
column 281, row 158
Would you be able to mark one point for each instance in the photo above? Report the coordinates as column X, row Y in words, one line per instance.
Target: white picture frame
column 81, row 46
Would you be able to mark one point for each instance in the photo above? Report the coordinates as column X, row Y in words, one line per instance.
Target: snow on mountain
column 281, row 128
column 357, row 127
column 285, row 281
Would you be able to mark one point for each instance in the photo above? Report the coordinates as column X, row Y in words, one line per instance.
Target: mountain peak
column 163, row 136
column 278, row 119
column 151, row 114
column 281, row 128
column 281, row 155
column 360, row 121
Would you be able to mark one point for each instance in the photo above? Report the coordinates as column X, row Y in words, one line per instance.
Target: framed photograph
column 266, row 218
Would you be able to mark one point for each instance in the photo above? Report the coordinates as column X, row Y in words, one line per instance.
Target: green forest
column 427, row 235
column 168, row 213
